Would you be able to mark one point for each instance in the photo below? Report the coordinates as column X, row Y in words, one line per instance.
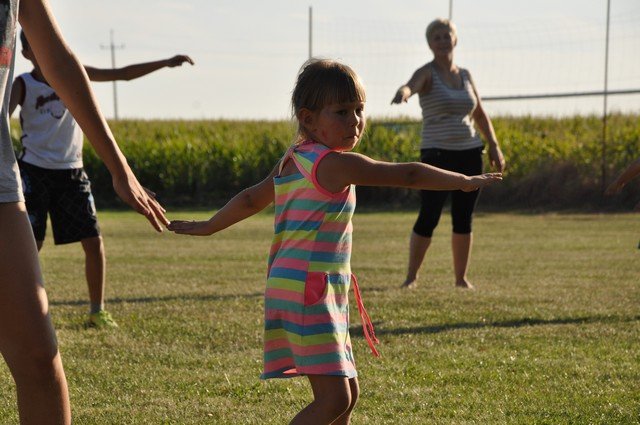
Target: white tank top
column 51, row 137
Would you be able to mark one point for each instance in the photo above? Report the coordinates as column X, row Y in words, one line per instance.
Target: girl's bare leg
column 27, row 338
column 332, row 398
column 345, row 418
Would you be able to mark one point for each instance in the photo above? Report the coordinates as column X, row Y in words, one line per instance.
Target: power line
column 554, row 95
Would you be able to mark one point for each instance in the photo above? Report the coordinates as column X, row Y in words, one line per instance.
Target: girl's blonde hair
column 323, row 82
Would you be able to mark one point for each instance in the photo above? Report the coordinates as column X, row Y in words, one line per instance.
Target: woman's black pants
column 468, row 162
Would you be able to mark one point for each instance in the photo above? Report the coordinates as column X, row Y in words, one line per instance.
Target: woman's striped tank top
column 446, row 115
column 306, row 298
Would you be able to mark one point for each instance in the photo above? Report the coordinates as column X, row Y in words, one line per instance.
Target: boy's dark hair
column 24, row 41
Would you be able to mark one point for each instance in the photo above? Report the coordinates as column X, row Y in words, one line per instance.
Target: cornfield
column 553, row 163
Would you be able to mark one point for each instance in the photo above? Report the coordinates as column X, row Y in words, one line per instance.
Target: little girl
column 306, row 303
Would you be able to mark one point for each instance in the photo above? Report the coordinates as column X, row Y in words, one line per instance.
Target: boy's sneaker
column 101, row 319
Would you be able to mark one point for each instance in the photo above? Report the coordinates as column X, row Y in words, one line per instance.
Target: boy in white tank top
column 53, row 179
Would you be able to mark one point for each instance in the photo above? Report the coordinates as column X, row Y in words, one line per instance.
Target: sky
column 248, row 52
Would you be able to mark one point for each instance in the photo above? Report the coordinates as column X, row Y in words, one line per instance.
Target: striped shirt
column 446, row 115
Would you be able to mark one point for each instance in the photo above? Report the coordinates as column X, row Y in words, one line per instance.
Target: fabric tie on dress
column 367, row 325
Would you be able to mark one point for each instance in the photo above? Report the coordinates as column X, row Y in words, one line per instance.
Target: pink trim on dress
column 314, row 176
column 314, row 170
column 367, row 325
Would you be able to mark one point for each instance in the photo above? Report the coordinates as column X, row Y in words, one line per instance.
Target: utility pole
column 450, row 9
column 604, row 112
column 310, row 32
column 113, row 48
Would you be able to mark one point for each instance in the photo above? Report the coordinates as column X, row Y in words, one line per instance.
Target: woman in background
column 451, row 108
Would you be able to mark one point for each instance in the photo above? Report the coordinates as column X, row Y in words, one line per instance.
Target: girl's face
column 338, row 126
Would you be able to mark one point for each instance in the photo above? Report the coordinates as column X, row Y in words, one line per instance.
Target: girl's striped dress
column 306, row 298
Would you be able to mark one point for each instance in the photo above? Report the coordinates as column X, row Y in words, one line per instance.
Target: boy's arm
column 132, row 72
column 338, row 170
column 245, row 204
column 66, row 75
column 17, row 95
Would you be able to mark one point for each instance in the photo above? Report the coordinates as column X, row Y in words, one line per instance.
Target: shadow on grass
column 143, row 300
column 516, row 323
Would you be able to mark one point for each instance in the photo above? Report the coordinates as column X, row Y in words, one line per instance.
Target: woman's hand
column 496, row 159
column 402, row 95
column 140, row 199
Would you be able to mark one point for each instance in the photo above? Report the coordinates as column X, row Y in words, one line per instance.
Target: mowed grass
column 550, row 336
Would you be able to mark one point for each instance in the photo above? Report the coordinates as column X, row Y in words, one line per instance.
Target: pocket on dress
column 315, row 288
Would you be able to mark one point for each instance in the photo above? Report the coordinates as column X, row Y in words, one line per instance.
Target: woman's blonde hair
column 323, row 82
column 441, row 23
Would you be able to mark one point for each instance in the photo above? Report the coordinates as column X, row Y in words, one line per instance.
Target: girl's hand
column 496, row 159
column 476, row 182
column 196, row 228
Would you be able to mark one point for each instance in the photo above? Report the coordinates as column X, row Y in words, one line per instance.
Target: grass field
column 551, row 335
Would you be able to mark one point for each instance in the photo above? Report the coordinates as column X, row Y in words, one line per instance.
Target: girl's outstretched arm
column 338, row 170
column 245, row 204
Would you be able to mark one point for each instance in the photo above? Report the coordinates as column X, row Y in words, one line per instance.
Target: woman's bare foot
column 409, row 284
column 464, row 284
